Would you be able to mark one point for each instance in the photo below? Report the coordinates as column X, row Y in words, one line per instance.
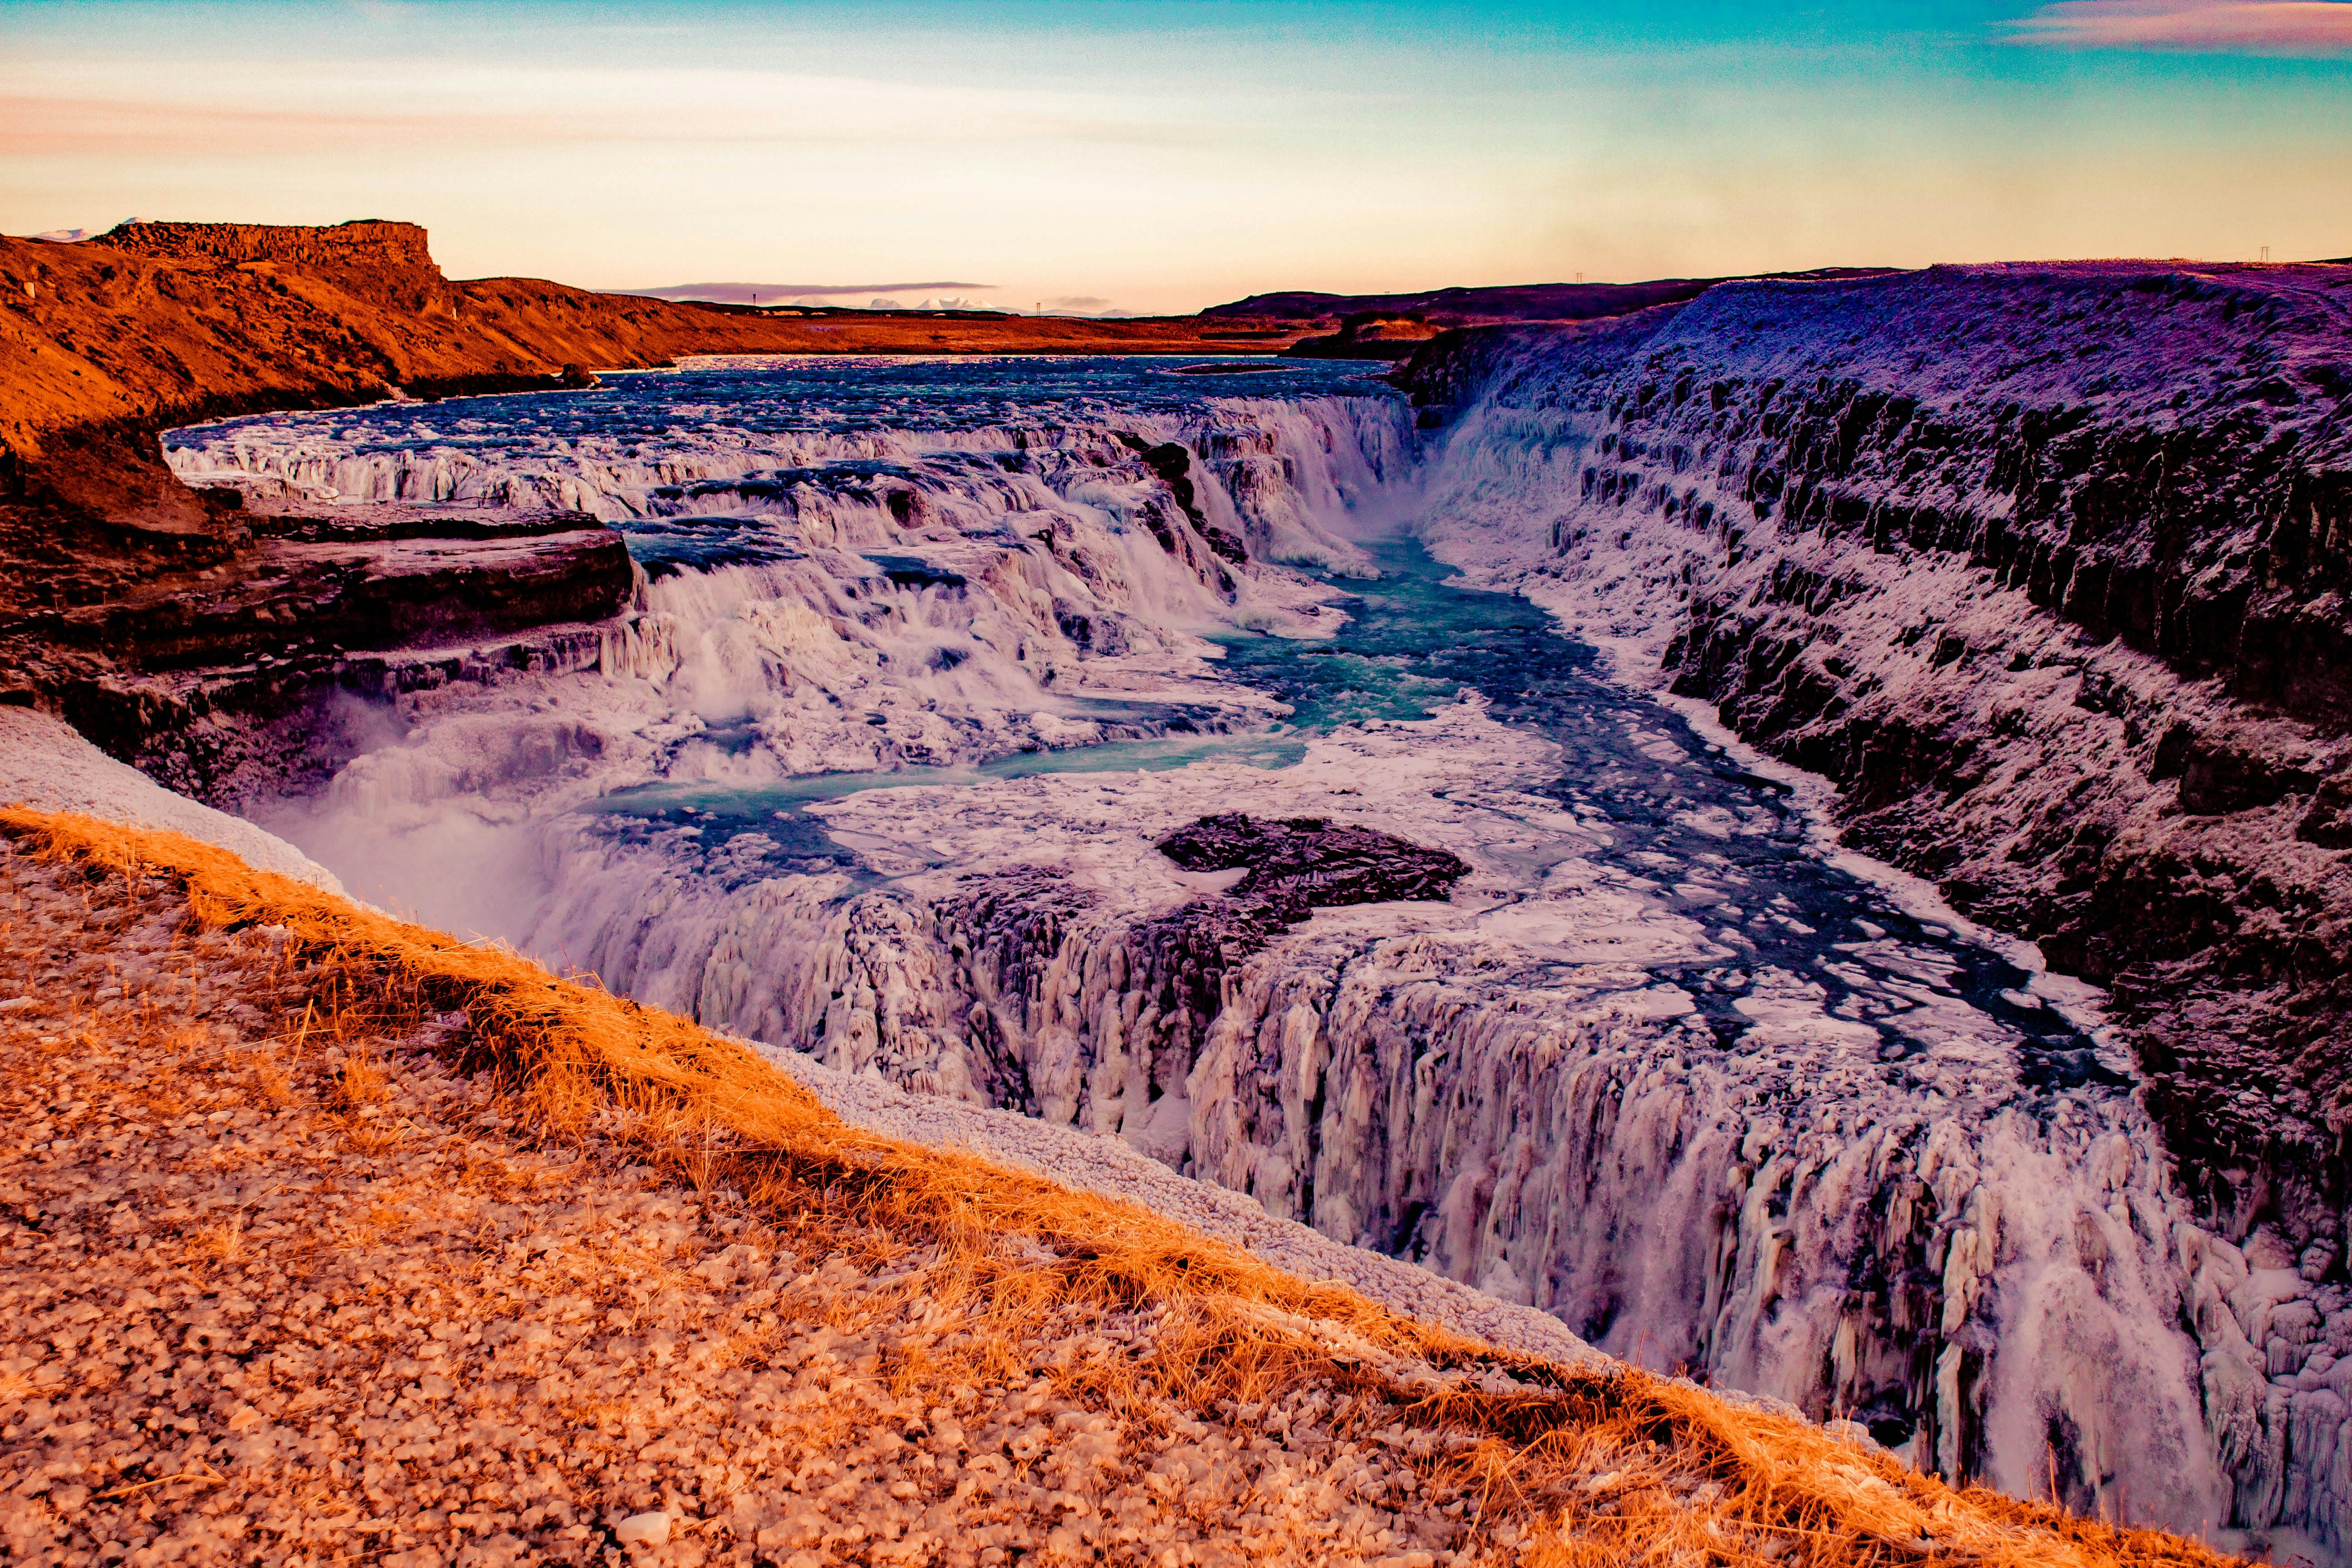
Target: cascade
column 880, row 764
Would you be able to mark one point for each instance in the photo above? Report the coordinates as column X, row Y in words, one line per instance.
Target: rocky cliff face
column 2047, row 567
column 365, row 243
column 248, row 669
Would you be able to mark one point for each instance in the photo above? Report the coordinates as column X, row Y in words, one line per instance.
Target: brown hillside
column 342, row 1241
column 104, row 343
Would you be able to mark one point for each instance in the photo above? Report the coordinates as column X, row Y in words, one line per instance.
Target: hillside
column 340, row 1236
column 1462, row 307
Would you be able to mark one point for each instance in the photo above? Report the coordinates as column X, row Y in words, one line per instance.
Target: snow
column 45, row 765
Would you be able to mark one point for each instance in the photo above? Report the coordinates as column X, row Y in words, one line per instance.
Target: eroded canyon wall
column 2046, row 566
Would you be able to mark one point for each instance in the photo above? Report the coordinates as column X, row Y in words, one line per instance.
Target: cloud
column 2263, row 26
column 1078, row 301
column 33, row 126
column 143, row 106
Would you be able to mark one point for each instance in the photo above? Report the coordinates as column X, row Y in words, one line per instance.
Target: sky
column 1142, row 156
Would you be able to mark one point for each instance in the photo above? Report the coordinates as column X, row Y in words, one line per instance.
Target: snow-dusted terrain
column 45, row 766
column 1663, row 1064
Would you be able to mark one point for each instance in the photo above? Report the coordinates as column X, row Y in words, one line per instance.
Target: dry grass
column 1571, row 1467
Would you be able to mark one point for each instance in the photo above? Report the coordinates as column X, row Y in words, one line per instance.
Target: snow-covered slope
column 45, row 765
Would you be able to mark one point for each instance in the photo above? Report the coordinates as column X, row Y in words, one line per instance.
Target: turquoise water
column 1386, row 663
column 1633, row 767
column 800, row 843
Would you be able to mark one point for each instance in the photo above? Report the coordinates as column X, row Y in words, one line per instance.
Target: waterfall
column 1726, row 1176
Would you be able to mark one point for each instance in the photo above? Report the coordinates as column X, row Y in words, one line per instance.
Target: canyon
column 1137, row 749
column 2044, row 566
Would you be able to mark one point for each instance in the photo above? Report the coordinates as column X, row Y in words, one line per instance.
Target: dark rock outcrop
column 1294, row 868
column 1306, row 863
column 184, row 676
column 1172, row 461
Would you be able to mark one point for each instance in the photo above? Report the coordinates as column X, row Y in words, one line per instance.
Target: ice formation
column 1656, row 1065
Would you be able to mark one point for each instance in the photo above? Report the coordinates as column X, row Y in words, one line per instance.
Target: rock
column 1306, row 863
column 1172, row 461
column 2327, row 821
column 643, row 1530
column 2230, row 773
column 364, row 243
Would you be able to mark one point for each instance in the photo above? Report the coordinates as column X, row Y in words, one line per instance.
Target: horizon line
column 801, row 288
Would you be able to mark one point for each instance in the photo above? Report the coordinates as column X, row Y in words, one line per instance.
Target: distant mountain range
column 782, row 293
column 1513, row 303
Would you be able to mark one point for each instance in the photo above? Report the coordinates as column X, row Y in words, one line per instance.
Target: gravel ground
column 276, row 1296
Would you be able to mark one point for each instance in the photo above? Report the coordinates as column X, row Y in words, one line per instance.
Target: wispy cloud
column 31, row 126
column 2267, row 27
column 58, row 109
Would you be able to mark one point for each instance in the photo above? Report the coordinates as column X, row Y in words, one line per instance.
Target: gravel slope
column 281, row 1295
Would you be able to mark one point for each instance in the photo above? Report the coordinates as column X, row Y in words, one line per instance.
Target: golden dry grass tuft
column 1572, row 1465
